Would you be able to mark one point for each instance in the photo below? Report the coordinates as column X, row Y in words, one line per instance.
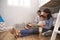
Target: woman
column 48, row 20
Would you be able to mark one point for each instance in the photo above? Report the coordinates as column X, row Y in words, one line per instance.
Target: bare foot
column 12, row 31
column 17, row 36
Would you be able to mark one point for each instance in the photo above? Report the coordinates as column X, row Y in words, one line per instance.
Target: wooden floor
column 9, row 36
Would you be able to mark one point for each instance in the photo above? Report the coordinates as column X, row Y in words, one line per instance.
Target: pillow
column 55, row 15
column 4, row 27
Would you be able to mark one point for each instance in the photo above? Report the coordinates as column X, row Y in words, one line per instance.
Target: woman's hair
column 48, row 12
column 39, row 11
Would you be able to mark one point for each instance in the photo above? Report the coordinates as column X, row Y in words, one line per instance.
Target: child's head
column 42, row 17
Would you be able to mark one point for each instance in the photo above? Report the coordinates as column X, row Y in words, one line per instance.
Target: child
column 41, row 25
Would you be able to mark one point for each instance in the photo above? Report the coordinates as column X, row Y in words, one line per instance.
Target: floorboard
column 9, row 36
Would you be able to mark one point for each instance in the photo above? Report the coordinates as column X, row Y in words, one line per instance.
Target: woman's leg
column 15, row 32
column 35, row 31
column 26, row 32
column 44, row 30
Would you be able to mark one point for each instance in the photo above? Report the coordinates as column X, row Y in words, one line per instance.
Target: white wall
column 0, row 6
column 13, row 15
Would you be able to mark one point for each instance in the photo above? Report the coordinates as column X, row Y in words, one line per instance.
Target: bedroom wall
column 16, row 14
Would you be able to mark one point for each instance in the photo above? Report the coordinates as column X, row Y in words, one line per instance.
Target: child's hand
column 42, row 26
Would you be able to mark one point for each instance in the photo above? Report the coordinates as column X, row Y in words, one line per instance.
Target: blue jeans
column 44, row 30
column 26, row 32
column 31, row 31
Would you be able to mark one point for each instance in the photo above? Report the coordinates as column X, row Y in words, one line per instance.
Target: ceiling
column 52, row 3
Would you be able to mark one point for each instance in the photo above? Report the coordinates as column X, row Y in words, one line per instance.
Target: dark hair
column 42, row 16
column 39, row 11
column 48, row 12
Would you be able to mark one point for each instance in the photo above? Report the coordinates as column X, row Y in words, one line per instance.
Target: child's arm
column 42, row 26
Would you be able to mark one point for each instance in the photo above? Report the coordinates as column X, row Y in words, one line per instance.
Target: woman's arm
column 49, row 23
column 26, row 27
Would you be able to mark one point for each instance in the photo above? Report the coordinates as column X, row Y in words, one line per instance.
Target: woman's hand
column 26, row 27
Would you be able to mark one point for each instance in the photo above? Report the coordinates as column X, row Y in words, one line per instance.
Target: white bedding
column 55, row 17
column 4, row 27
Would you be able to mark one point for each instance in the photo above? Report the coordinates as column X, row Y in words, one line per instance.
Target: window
column 23, row 3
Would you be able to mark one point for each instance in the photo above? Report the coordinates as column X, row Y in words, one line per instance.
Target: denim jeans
column 31, row 31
